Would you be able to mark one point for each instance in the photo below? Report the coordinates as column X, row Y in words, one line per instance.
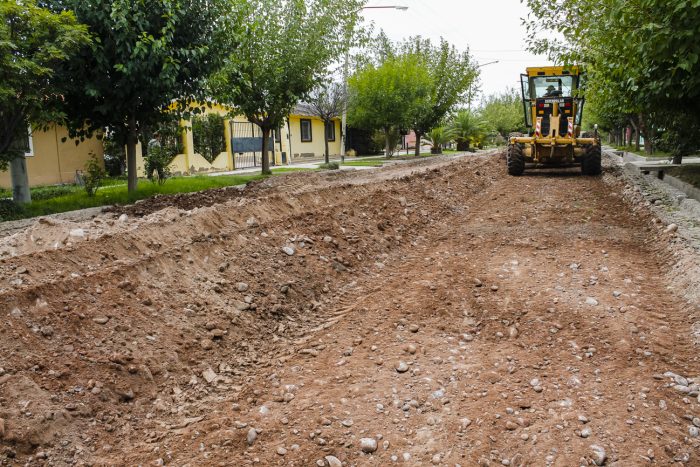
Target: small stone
column 252, row 434
column 288, row 250
column 586, row 432
column 252, row 222
column 123, row 218
column 513, row 332
column 410, row 348
column 598, row 454
column 333, row 461
column 617, row 293
column 494, row 288
column 694, row 431
column 101, row 319
column 281, row 451
column 511, row 426
column 241, row 286
column 46, row 331
column 402, row 367
column 209, row 375
column 671, row 228
column 413, row 328
column 477, row 282
column 368, row 445
column 696, row 421
column 77, row 233
column 206, row 344
column 346, row 423
column 591, row 301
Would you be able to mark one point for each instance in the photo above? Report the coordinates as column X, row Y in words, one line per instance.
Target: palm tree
column 437, row 138
column 467, row 128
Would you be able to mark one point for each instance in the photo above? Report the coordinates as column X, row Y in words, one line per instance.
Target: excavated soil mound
column 432, row 313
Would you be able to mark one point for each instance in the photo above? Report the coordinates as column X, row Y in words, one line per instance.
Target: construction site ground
column 436, row 312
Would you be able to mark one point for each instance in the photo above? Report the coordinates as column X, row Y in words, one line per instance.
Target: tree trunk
column 131, row 140
column 637, row 135
column 20, row 180
column 419, row 135
column 325, row 140
column 388, row 143
column 265, row 156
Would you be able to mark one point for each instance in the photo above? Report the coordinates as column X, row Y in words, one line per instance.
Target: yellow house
column 301, row 138
column 51, row 161
column 306, row 133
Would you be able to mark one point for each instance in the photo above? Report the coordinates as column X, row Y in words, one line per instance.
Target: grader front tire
column 591, row 162
column 515, row 159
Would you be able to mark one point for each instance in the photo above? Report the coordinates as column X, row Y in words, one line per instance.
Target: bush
column 208, row 136
column 93, row 176
column 157, row 164
column 330, row 166
column 51, row 191
column 10, row 210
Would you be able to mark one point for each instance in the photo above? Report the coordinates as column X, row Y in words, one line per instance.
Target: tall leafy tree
column 453, row 74
column 389, row 95
column 33, row 43
column 645, row 51
column 284, row 51
column 327, row 103
column 504, row 112
column 146, row 56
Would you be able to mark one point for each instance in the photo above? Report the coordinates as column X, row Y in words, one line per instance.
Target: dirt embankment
column 437, row 313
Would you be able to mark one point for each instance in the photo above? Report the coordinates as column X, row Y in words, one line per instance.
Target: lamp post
column 344, row 120
column 470, row 84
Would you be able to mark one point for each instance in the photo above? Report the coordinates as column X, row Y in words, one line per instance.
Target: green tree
column 284, row 51
column 388, row 96
column 33, row 43
column 453, row 74
column 504, row 112
column 646, row 52
column 438, row 137
column 146, row 56
column 467, row 128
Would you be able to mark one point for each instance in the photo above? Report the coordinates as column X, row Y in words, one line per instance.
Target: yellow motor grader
column 553, row 106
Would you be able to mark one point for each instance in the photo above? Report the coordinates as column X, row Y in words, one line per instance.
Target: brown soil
column 533, row 317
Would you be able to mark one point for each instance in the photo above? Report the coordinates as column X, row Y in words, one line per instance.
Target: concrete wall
column 53, row 161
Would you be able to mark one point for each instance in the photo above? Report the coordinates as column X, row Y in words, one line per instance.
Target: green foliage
column 157, row 164
column 93, row 176
column 504, row 112
column 283, row 52
column 33, row 44
column 642, row 57
column 389, row 95
column 468, row 129
column 329, row 166
column 387, row 139
column 438, row 138
column 453, row 75
column 208, row 135
column 10, row 210
column 146, row 56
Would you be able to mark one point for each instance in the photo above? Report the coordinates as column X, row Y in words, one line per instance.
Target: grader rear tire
column 515, row 159
column 591, row 161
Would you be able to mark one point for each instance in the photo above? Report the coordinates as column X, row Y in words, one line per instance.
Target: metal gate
column 246, row 143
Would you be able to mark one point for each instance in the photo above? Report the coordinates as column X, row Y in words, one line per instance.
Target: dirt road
column 438, row 313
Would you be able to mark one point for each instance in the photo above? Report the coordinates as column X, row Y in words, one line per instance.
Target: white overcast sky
column 491, row 29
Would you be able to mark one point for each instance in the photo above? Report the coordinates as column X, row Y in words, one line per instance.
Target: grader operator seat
column 553, row 108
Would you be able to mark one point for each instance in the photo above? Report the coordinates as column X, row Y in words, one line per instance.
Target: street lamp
column 344, row 122
column 470, row 84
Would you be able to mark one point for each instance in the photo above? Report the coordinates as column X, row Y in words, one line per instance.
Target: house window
column 305, row 130
column 330, row 131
